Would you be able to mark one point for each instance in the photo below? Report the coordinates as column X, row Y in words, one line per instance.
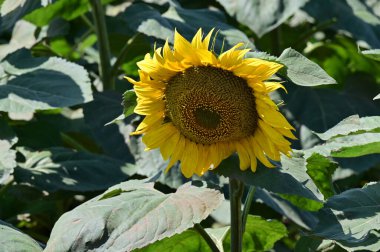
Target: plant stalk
column 103, row 44
column 207, row 238
column 236, row 193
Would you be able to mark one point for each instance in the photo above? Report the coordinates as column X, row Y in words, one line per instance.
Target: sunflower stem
column 247, row 204
column 236, row 193
column 207, row 238
column 103, row 43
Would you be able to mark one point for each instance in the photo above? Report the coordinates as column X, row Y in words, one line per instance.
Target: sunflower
column 200, row 108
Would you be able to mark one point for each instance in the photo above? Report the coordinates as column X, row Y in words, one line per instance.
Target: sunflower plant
column 150, row 125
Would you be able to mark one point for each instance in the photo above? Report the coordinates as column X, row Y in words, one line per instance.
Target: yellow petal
column 185, row 50
column 260, row 155
column 272, row 117
column 158, row 136
column 197, row 40
column 148, row 107
column 177, row 154
column 168, row 147
column 148, row 122
column 189, row 159
column 272, row 134
column 243, row 156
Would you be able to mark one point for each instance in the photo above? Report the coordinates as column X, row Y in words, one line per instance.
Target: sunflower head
column 200, row 107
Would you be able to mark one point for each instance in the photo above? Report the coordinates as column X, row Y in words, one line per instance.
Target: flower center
column 209, row 105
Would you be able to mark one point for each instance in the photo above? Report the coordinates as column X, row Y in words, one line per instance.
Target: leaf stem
column 103, row 43
column 122, row 56
column 207, row 237
column 247, row 204
column 236, row 193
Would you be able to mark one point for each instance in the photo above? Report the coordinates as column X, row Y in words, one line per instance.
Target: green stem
column 103, row 43
column 122, row 56
column 207, row 238
column 236, row 193
column 247, row 204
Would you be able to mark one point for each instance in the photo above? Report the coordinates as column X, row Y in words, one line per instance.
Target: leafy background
column 69, row 181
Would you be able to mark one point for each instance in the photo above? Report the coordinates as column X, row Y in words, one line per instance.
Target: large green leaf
column 13, row 10
column 134, row 217
column 7, row 155
column 261, row 16
column 293, row 171
column 304, row 219
column 260, row 234
column 352, row 124
column 13, row 240
column 351, row 215
column 42, row 83
column 64, row 169
column 321, row 170
column 349, row 15
column 349, row 146
column 189, row 241
column 302, row 71
column 149, row 21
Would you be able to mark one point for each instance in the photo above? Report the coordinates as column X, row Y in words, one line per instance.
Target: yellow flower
column 200, row 108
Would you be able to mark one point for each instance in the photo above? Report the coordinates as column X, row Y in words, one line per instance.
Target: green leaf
column 7, row 155
column 372, row 54
column 67, row 9
column 260, row 234
column 351, row 215
column 261, row 16
column 13, row 240
column 302, row 71
column 13, row 10
column 129, row 102
column 321, row 170
column 189, row 241
column 304, row 219
column 64, row 169
column 42, row 83
column 112, row 138
column 149, row 21
column 349, row 146
column 293, row 171
column 133, row 219
column 352, row 124
column 353, row 16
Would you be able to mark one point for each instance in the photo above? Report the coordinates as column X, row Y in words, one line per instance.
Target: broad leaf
column 42, row 83
column 13, row 10
column 7, row 155
column 352, row 124
column 372, row 54
column 136, row 217
column 302, row 71
column 259, row 235
column 149, row 21
column 13, row 240
column 351, row 215
column 111, row 137
column 189, row 241
column 64, row 169
column 304, row 219
column 321, row 170
column 349, row 146
column 351, row 15
column 293, row 171
column 261, row 16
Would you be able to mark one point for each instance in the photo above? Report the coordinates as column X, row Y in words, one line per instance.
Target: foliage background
column 56, row 152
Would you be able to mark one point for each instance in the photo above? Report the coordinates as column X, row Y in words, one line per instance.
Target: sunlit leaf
column 351, row 215
column 14, row 240
column 372, row 54
column 352, row 124
column 140, row 215
column 13, row 10
column 42, row 83
column 260, row 234
column 302, row 71
column 189, row 241
column 261, row 16
column 7, row 155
